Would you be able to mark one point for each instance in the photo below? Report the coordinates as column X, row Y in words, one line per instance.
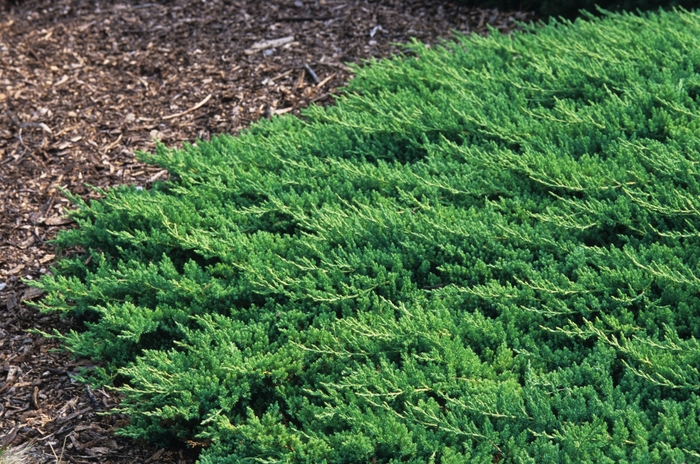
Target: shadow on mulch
column 84, row 84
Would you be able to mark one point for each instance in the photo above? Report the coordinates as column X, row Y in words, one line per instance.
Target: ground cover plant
column 572, row 8
column 131, row 75
column 485, row 251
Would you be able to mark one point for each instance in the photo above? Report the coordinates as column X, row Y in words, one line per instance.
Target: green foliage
column 572, row 8
column 486, row 251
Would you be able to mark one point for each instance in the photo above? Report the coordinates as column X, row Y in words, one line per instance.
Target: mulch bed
column 85, row 84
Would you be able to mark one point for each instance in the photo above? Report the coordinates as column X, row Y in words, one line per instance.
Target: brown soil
column 86, row 83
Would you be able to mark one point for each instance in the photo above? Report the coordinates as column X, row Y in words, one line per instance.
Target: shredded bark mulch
column 85, row 84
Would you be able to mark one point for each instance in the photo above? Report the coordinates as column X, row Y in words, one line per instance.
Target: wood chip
column 157, row 176
column 9, row 437
column 12, row 375
column 195, row 107
column 46, row 258
column 15, row 270
column 45, row 128
column 58, row 221
column 77, row 413
column 31, row 293
column 97, row 451
column 283, row 110
column 113, row 144
column 284, row 74
column 155, row 456
column 325, row 81
column 61, row 81
column 300, row 81
column 271, row 43
column 11, row 302
column 30, row 241
column 35, row 398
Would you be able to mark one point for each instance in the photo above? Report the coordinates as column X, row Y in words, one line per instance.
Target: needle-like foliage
column 573, row 8
column 488, row 251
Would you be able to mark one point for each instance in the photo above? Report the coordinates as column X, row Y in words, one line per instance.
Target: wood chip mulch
column 86, row 83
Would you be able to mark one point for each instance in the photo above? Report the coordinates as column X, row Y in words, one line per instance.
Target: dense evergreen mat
column 485, row 252
column 572, row 8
